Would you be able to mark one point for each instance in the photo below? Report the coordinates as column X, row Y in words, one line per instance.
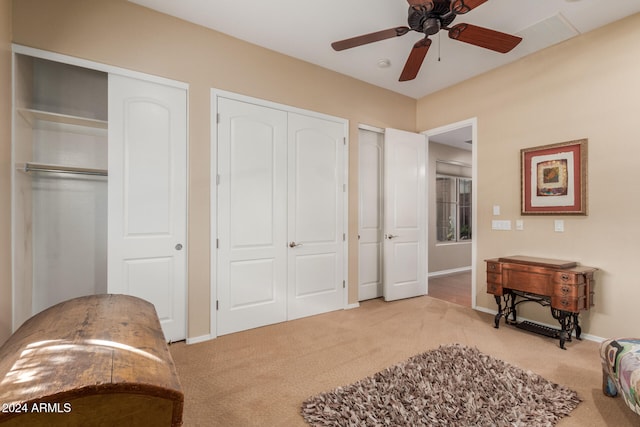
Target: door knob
column 391, row 236
column 178, row 247
column 294, row 244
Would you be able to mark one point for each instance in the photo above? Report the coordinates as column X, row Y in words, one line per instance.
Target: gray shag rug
column 451, row 386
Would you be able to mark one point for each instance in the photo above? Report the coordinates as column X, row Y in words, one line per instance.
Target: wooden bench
column 95, row 360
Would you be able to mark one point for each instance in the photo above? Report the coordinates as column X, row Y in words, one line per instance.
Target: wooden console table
column 564, row 286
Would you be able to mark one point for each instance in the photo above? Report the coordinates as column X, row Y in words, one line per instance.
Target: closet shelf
column 32, row 115
column 41, row 167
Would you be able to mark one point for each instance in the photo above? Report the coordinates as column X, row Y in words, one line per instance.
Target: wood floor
column 455, row 288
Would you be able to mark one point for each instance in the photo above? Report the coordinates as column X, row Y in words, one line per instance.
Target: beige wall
column 120, row 33
column 586, row 87
column 5, row 171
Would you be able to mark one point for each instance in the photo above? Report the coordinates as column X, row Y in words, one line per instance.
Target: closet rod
column 34, row 167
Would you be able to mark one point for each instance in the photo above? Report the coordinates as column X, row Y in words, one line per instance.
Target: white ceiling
column 304, row 29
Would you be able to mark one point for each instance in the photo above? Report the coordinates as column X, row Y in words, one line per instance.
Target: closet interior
column 60, row 183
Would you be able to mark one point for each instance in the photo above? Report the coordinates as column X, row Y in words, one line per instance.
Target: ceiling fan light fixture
column 431, row 26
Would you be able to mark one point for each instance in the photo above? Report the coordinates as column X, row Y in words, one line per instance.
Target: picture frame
column 554, row 179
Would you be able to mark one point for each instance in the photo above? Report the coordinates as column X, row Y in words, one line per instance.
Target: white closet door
column 147, row 197
column 252, row 217
column 370, row 148
column 316, row 209
column 405, row 255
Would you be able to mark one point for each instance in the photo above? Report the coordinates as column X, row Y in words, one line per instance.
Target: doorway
column 453, row 208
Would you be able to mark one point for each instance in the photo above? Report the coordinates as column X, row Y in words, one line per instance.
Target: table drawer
column 569, row 304
column 494, row 278
column 494, row 288
column 494, row 267
column 566, row 277
column 572, row 291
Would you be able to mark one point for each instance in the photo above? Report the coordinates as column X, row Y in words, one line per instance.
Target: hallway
column 455, row 288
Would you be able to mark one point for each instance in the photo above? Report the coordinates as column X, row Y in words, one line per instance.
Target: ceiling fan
column 429, row 17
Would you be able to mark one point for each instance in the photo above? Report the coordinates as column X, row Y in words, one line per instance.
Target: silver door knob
column 294, row 244
column 391, row 236
column 178, row 247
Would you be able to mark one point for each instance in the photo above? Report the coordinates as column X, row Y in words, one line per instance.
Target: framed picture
column 554, row 179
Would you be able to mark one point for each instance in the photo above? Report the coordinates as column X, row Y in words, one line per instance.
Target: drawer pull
column 565, row 289
column 565, row 277
column 564, row 303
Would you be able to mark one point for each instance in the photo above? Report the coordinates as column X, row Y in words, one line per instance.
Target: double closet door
column 280, row 243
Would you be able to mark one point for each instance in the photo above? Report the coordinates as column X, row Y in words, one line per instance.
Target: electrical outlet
column 504, row 225
column 558, row 225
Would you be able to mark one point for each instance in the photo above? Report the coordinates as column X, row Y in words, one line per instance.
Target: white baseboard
column 587, row 337
column 352, row 306
column 449, row 272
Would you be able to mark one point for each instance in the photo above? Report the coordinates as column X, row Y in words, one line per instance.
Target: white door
column 370, row 197
column 316, row 215
column 405, row 235
column 280, row 215
column 147, row 197
column 252, row 217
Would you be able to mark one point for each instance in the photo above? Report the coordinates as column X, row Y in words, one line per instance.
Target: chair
column 621, row 370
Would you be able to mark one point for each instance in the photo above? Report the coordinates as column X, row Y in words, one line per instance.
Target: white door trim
column 214, row 95
column 473, row 122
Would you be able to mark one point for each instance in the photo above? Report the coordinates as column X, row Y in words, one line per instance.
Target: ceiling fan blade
column 460, row 7
column 484, row 37
column 416, row 57
column 370, row 38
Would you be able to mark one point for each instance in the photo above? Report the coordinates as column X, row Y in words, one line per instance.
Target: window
column 453, row 206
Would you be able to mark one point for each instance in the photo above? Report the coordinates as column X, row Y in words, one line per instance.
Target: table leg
column 496, row 320
column 513, row 313
column 576, row 322
column 568, row 322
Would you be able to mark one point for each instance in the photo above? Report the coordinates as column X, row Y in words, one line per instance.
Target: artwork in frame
column 554, row 179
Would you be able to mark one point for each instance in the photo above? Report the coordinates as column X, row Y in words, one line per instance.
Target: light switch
column 519, row 224
column 496, row 210
column 558, row 225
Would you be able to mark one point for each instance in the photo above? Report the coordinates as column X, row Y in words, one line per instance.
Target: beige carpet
column 260, row 377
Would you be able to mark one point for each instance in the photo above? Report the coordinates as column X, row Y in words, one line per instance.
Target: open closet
column 99, row 186
column 60, row 151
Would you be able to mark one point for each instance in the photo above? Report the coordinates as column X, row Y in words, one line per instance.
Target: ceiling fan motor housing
column 430, row 22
